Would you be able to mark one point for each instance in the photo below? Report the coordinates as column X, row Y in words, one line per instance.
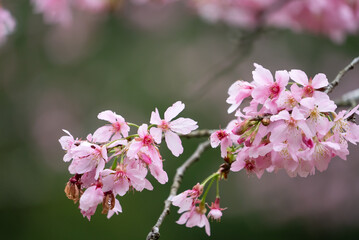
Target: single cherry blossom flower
column 89, row 200
column 216, row 211
column 223, row 138
column 144, row 139
column 195, row 217
column 87, row 157
column 116, row 130
column 128, row 174
column 310, row 86
column 67, row 143
column 170, row 128
column 265, row 86
column 238, row 91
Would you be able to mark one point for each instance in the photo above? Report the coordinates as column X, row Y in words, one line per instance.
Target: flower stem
column 133, row 125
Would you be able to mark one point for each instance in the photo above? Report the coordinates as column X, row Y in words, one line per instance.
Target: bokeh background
column 134, row 60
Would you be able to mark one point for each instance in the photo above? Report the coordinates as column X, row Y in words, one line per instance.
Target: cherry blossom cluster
column 334, row 18
column 290, row 123
column 194, row 208
column 7, row 24
column 129, row 157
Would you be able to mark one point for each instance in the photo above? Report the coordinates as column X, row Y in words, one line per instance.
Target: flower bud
column 108, row 202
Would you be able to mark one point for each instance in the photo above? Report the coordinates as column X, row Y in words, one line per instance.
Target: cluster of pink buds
column 290, row 123
column 334, row 18
column 131, row 157
column 7, row 24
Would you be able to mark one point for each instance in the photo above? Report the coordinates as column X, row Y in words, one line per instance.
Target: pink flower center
column 117, row 126
column 292, row 122
column 250, row 165
column 274, row 90
column 147, row 140
column 221, row 134
column 164, row 125
column 308, row 90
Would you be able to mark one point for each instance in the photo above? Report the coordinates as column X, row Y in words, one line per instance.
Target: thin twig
column 337, row 79
column 348, row 99
column 198, row 133
column 154, row 234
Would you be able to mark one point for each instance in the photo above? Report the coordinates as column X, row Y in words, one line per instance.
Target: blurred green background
column 130, row 62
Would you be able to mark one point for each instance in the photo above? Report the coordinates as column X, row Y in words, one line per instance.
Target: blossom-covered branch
column 337, row 79
column 290, row 123
column 131, row 155
column 155, row 233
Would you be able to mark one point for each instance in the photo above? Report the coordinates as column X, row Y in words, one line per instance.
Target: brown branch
column 337, row 79
column 154, row 234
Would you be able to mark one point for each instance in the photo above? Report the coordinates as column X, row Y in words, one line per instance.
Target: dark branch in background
column 244, row 45
column 337, row 79
column 155, row 232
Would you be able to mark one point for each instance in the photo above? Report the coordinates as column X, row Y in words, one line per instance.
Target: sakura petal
column 184, row 217
column 303, row 125
column 103, row 134
column 183, row 125
column 158, row 173
column 237, row 166
column 156, row 133
column 107, row 116
column 174, row 143
column 320, row 81
column 142, row 130
column 121, row 187
column 116, row 209
column 174, row 110
column 282, row 78
column 207, row 227
column 262, row 76
column 299, row 76
column 282, row 115
column 155, row 117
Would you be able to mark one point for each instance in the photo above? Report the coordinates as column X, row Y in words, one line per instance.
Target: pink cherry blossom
column 67, row 143
column 7, row 24
column 116, row 130
column 216, row 211
column 89, row 201
column 267, row 91
column 237, row 92
column 170, row 128
column 144, row 139
column 129, row 174
column 186, row 199
column 289, row 128
column 223, row 138
column 195, row 217
column 309, row 85
column 87, row 157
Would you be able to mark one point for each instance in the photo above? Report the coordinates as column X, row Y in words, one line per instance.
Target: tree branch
column 198, row 133
column 349, row 99
column 337, row 79
column 154, row 234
